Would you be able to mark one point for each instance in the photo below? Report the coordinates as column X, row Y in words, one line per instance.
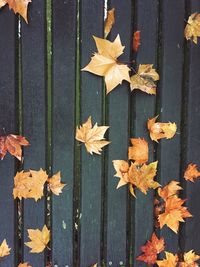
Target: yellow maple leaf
column 55, row 184
column 110, row 20
column 169, row 190
column 24, row 265
column 18, row 6
column 144, row 79
column 192, row 29
column 191, row 173
column 170, row 261
column 138, row 151
column 22, row 182
column 160, row 130
column 104, row 63
column 4, row 249
column 174, row 213
column 39, row 239
column 190, row 259
column 92, row 137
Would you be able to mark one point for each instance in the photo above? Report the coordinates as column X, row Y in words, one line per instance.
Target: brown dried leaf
column 169, row 190
column 191, row 173
column 110, row 20
column 136, row 41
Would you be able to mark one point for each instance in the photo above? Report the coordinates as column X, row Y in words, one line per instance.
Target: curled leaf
column 144, row 79
column 92, row 137
column 191, row 173
column 138, row 151
column 159, row 130
column 110, row 20
column 104, row 63
column 192, row 29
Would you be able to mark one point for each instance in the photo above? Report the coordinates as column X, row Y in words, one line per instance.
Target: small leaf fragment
column 55, row 184
column 191, row 173
column 159, row 130
column 24, row 265
column 144, row 79
column 110, row 20
column 170, row 260
column 39, row 239
column 138, row 151
column 92, row 137
column 136, row 41
column 192, row 29
column 4, row 249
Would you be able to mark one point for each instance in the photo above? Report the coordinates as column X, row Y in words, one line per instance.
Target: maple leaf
column 191, row 173
column 138, row 151
column 169, row 190
column 24, row 265
column 170, row 261
column 151, row 249
column 192, row 29
column 55, row 184
column 104, row 63
column 136, row 41
column 190, row 259
column 144, row 79
column 160, row 130
column 174, row 213
column 29, row 184
column 92, row 137
column 18, row 6
column 4, row 249
column 12, row 143
column 110, row 20
column 39, row 239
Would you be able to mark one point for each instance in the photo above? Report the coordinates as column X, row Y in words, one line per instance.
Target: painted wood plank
column 192, row 237
column 91, row 22
column 63, row 128
column 34, row 114
column 170, row 98
column 118, row 120
column 7, row 121
column 143, row 107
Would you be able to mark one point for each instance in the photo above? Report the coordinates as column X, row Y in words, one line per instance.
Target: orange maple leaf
column 110, row 20
column 170, row 261
column 92, row 137
column 12, row 143
column 190, row 259
column 174, row 213
column 55, row 184
column 169, row 190
column 151, row 249
column 136, row 41
column 160, row 130
column 104, row 63
column 191, row 173
column 138, row 151
column 18, row 6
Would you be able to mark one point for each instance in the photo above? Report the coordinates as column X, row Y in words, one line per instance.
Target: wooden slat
column 192, row 237
column 170, row 97
column 143, row 107
column 118, row 135
column 91, row 105
column 34, row 114
column 7, row 121
column 64, row 54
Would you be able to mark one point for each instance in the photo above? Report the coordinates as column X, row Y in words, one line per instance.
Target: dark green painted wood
column 34, row 114
column 91, row 105
column 170, row 97
column 7, row 121
column 191, row 236
column 64, row 54
column 143, row 107
column 119, row 133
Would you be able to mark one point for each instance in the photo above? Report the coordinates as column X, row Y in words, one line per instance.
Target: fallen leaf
column 92, row 137
column 151, row 249
column 4, row 249
column 190, row 259
column 24, row 265
column 191, row 173
column 104, row 63
column 174, row 213
column 55, row 184
column 18, row 6
column 29, row 184
column 192, row 29
column 144, row 79
column 169, row 190
column 138, row 151
column 160, row 130
column 110, row 20
column 170, row 261
column 12, row 144
column 136, row 41
column 39, row 239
